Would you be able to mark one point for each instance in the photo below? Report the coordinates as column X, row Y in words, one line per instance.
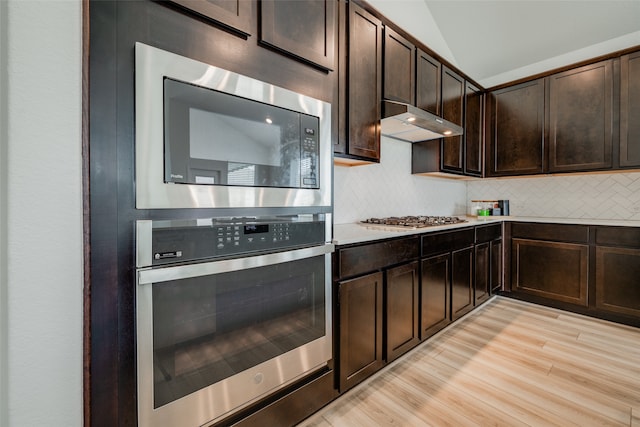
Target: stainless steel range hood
column 408, row 123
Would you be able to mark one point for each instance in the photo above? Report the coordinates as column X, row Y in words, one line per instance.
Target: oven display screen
column 256, row 228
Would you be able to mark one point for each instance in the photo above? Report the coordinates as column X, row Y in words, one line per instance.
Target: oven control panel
column 189, row 240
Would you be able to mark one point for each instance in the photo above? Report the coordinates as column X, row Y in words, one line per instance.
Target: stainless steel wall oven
column 228, row 310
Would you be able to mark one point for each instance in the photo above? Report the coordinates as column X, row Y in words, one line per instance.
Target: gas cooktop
column 413, row 221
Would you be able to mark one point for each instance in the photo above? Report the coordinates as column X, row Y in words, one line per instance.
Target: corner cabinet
column 551, row 261
column 360, row 85
column 515, row 138
column 630, row 110
column 581, row 118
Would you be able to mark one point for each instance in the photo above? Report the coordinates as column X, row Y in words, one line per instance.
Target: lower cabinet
column 618, row 271
column 360, row 302
column 462, row 300
column 593, row 270
column 402, row 286
column 435, row 304
column 550, row 261
column 447, row 278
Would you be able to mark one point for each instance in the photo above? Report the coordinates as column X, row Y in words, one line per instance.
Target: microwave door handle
column 164, row 274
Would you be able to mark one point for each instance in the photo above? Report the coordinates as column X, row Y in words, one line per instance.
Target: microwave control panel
column 309, row 152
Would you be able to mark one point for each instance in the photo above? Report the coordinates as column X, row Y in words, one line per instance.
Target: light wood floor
column 508, row 363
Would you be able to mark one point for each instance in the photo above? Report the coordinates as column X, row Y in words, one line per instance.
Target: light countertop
column 345, row 234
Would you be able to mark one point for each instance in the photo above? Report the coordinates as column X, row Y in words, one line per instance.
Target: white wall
column 41, row 214
column 389, row 189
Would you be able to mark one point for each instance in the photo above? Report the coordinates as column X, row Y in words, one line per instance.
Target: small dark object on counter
column 504, row 207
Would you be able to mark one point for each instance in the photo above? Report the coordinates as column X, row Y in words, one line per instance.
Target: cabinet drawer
column 447, row 241
column 552, row 232
column 487, row 233
column 363, row 259
column 618, row 236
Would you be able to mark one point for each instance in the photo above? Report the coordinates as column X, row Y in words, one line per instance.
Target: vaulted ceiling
column 495, row 42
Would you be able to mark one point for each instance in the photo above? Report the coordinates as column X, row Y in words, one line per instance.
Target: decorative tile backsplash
column 389, row 189
column 596, row 196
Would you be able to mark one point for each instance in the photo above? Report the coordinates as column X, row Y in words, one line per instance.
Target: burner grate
column 414, row 221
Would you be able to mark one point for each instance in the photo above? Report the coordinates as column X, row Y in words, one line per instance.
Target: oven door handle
column 164, row 274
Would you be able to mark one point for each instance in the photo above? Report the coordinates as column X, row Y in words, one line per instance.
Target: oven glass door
column 220, row 334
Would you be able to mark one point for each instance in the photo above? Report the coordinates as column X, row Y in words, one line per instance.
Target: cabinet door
column 360, row 326
column 234, row 15
column 428, row 90
column 630, row 110
column 461, row 282
column 496, row 266
column 452, row 110
column 402, row 309
column 516, row 137
column 618, row 280
column 364, row 76
column 580, row 118
column 482, row 282
column 554, row 270
column 399, row 68
column 434, row 296
column 473, row 130
column 305, row 29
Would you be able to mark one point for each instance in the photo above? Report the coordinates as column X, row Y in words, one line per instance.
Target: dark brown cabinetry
column 473, row 130
column 360, row 81
column 360, row 302
column 617, row 261
column 447, row 278
column 304, row 29
column 630, row 110
column 488, row 261
column 402, row 286
column 399, row 68
column 591, row 270
column 435, row 288
column 453, row 86
column 428, row 88
column 580, row 118
column 233, row 15
column 377, row 304
column 551, row 261
column 515, row 144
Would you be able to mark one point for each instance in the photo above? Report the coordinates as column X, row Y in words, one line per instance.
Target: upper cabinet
column 360, row 81
column 515, row 141
column 305, row 29
column 580, row 118
column 630, row 110
column 473, row 130
column 428, row 87
column 399, row 68
column 236, row 16
column 453, row 86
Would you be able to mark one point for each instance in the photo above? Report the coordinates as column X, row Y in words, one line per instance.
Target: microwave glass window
column 216, row 138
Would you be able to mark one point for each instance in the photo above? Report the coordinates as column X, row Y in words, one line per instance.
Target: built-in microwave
column 211, row 138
